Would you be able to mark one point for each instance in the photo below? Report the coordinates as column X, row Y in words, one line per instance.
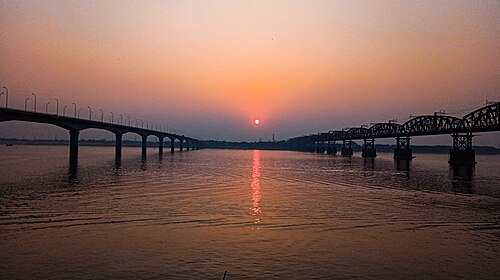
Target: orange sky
column 208, row 68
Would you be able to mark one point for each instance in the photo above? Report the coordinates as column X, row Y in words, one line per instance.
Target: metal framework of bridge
column 484, row 119
column 75, row 125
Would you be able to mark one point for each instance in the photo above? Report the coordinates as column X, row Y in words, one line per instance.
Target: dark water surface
column 256, row 214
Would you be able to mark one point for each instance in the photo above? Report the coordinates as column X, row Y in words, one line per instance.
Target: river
column 255, row 214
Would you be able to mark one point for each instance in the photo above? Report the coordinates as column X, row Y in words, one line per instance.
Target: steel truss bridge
column 484, row 119
column 75, row 125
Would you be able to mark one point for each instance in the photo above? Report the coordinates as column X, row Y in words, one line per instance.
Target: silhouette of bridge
column 484, row 119
column 74, row 125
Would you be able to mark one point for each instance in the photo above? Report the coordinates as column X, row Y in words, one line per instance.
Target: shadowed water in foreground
column 256, row 214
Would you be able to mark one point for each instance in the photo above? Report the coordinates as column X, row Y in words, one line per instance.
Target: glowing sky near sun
column 208, row 67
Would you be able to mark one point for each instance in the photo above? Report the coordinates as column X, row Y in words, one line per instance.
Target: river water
column 255, row 214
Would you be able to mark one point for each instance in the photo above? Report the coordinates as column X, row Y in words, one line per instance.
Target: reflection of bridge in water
column 75, row 125
column 484, row 119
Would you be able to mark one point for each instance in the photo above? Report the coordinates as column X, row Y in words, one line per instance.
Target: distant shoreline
column 211, row 144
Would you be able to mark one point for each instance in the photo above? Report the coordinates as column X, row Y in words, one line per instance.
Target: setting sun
column 256, row 121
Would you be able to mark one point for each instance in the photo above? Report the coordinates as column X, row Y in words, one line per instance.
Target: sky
column 208, row 68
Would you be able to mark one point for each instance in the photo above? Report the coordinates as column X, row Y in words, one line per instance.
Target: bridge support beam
column 73, row 146
column 368, row 149
column 331, row 149
column 346, row 148
column 118, row 147
column 160, row 146
column 320, row 147
column 462, row 152
column 180, row 144
column 403, row 150
column 187, row 145
column 144, row 146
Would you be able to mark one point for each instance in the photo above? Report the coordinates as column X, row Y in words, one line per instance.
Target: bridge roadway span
column 484, row 119
column 75, row 125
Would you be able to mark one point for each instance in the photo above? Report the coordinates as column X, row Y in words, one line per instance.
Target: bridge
column 74, row 125
column 485, row 119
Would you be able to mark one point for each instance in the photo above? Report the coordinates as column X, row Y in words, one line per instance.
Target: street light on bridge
column 90, row 113
column 102, row 115
column 57, row 106
column 64, row 110
column 35, row 101
column 111, row 116
column 26, row 104
column 75, row 108
column 47, row 107
column 6, row 97
column 128, row 117
column 121, row 119
column 79, row 112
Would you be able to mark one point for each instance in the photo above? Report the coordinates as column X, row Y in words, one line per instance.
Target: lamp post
column 75, row 108
column 64, row 110
column 35, row 102
column 102, row 115
column 90, row 113
column 128, row 117
column 26, row 104
column 147, row 124
column 135, row 122
column 79, row 112
column 6, row 97
column 47, row 107
column 111, row 117
column 57, row 106
column 121, row 119
column 142, row 124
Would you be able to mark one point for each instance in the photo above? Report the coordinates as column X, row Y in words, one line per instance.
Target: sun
column 256, row 121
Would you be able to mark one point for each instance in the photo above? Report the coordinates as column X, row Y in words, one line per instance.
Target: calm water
column 256, row 214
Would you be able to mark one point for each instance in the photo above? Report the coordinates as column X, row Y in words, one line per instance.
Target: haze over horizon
column 209, row 68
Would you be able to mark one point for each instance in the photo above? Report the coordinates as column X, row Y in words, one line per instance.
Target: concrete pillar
column 172, row 145
column 403, row 150
column 187, row 145
column 73, row 146
column 160, row 146
column 331, row 149
column 368, row 149
column 462, row 152
column 346, row 148
column 118, row 147
column 180, row 143
column 144, row 146
column 320, row 147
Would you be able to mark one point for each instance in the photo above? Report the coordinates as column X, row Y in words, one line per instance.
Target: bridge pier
column 160, row 146
column 73, row 146
column 118, row 147
column 187, row 145
column 368, row 149
column 320, row 147
column 403, row 150
column 144, row 146
column 331, row 150
column 311, row 147
column 346, row 148
column 180, row 144
column 172, row 145
column 462, row 152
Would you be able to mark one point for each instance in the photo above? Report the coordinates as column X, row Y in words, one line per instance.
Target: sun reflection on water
column 256, row 185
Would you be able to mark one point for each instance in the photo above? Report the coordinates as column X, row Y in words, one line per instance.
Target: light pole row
column 149, row 125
